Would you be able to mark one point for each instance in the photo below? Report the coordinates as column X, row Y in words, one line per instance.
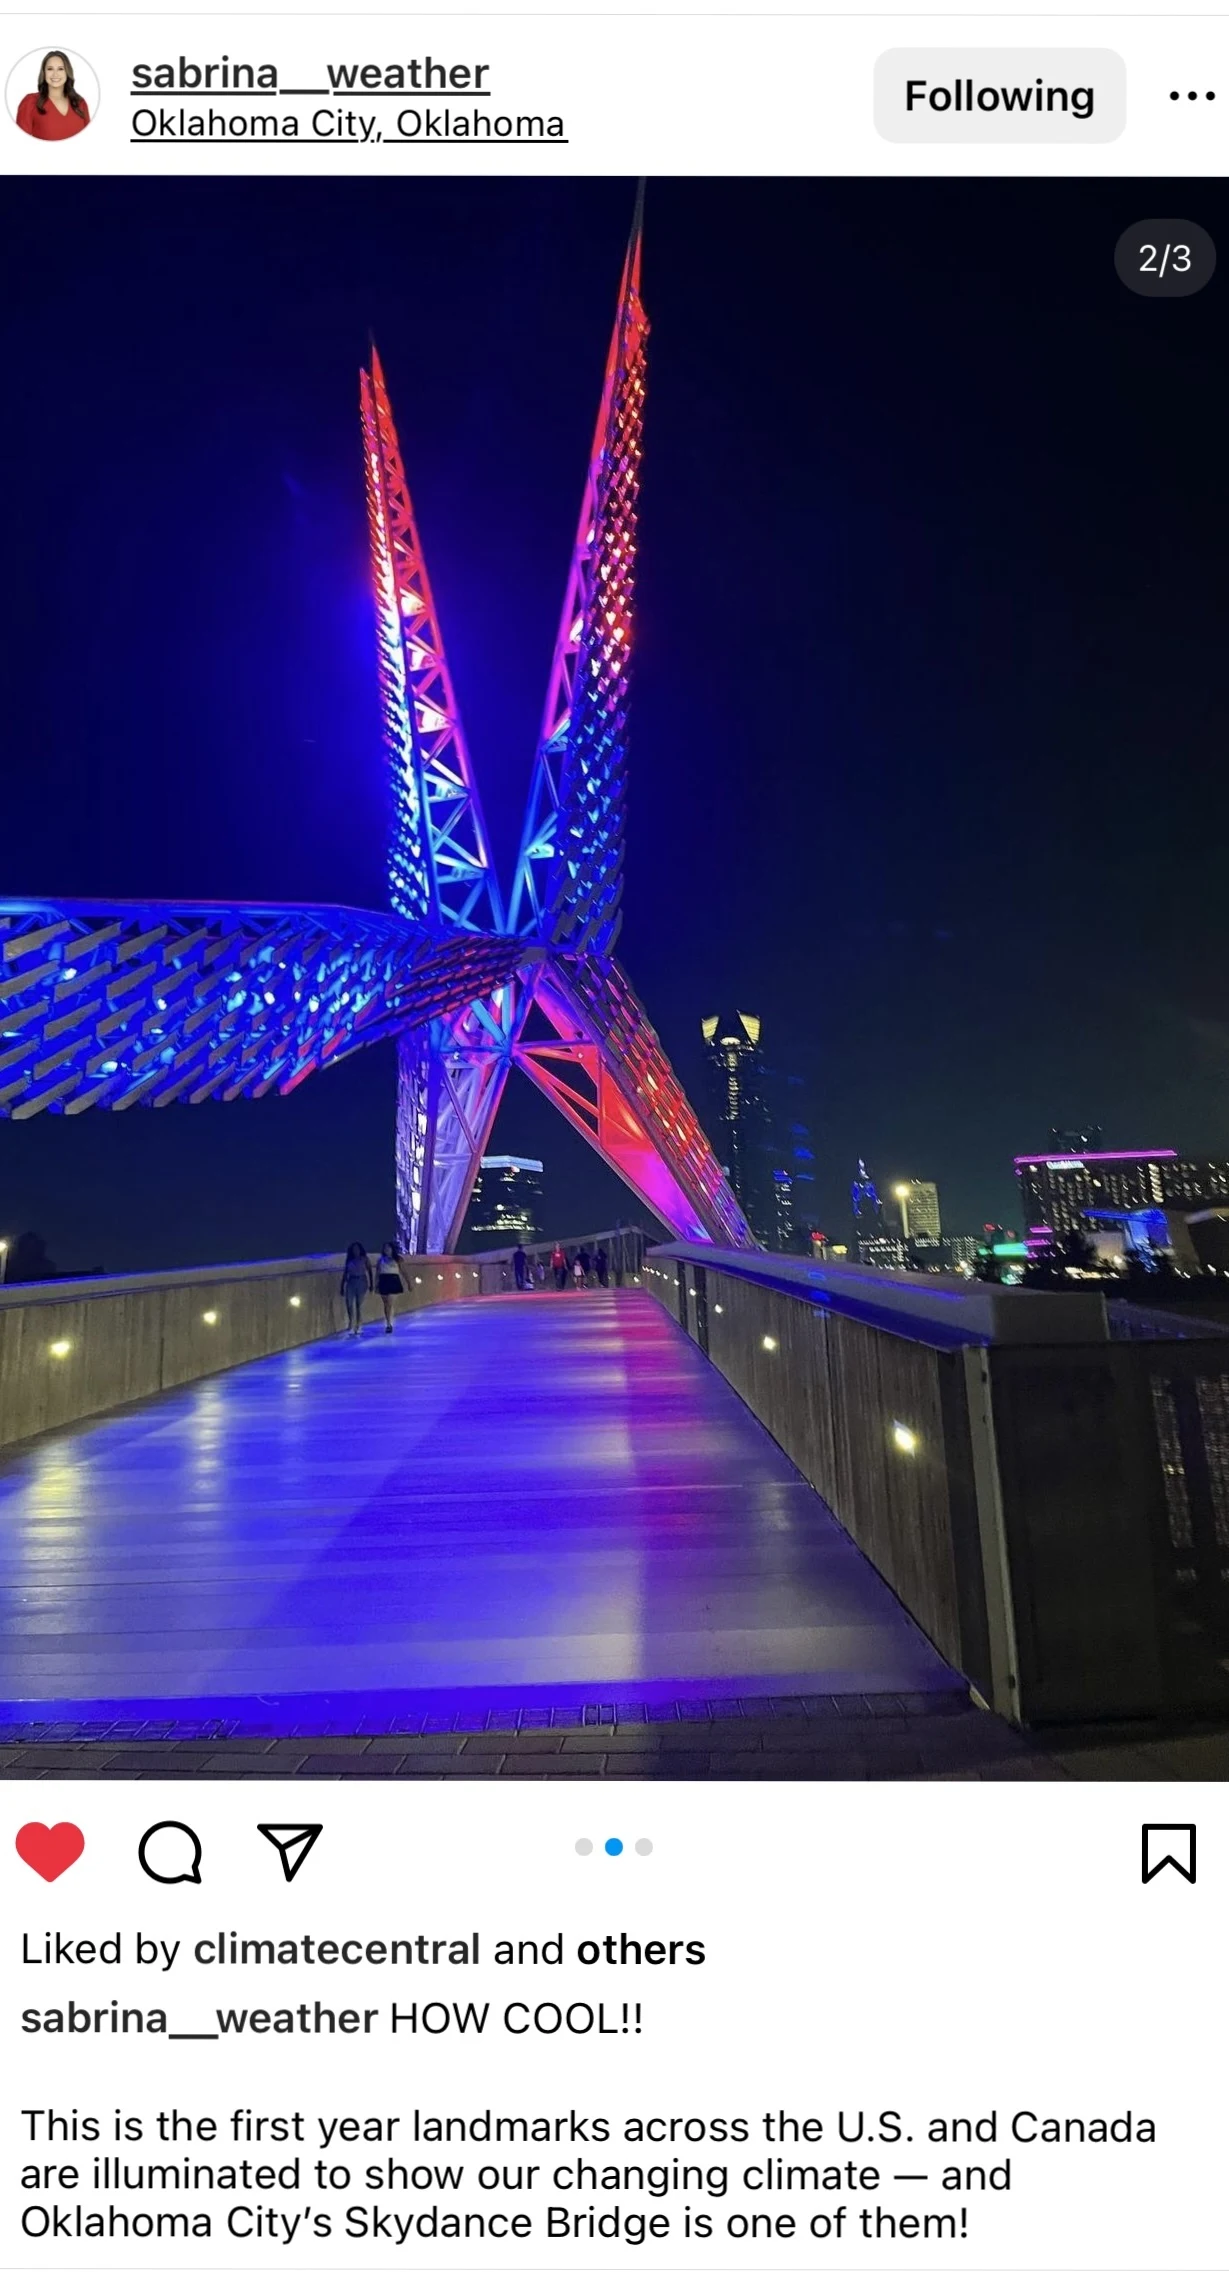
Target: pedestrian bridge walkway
column 511, row 1501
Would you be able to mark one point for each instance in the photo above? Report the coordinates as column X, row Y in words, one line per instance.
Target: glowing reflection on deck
column 511, row 1495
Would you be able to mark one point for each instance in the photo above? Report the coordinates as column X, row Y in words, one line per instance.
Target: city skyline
column 883, row 535
column 576, row 1191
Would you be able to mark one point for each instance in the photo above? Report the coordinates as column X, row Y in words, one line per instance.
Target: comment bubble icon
column 170, row 1854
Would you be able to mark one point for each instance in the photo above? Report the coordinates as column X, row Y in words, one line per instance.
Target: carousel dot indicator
column 584, row 1846
column 644, row 1846
column 614, row 1846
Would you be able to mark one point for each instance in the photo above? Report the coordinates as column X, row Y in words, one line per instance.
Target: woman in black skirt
column 389, row 1282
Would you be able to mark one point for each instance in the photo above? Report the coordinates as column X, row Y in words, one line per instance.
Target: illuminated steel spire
column 584, row 1037
column 439, row 863
column 450, row 1074
column 569, row 876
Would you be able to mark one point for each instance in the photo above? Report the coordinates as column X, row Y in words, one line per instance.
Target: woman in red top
column 57, row 110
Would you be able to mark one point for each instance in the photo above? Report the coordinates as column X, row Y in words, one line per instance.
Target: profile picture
column 50, row 96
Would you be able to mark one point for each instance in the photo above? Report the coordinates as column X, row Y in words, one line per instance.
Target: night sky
column 929, row 707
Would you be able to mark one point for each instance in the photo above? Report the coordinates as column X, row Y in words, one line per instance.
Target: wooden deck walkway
column 539, row 1500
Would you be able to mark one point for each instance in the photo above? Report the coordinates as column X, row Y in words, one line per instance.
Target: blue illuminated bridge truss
column 114, row 1004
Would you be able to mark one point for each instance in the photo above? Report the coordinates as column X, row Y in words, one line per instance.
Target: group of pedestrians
column 359, row 1279
column 581, row 1269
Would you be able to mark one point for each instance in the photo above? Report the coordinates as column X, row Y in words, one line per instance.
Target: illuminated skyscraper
column 1060, row 1190
column 784, row 1219
column 794, row 1157
column 873, row 1244
column 1056, row 1189
column 507, row 1200
column 868, row 1225
column 867, row 1207
column 738, row 1106
column 755, row 1117
column 918, row 1202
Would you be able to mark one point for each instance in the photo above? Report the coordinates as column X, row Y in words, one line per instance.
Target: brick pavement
column 848, row 1738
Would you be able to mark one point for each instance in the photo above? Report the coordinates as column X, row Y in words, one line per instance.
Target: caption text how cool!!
column 432, row 2017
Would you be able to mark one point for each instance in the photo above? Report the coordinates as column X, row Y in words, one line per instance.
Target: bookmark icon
column 1168, row 1846
column 293, row 1840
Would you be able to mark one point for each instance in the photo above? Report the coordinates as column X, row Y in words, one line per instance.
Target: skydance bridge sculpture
column 114, row 1004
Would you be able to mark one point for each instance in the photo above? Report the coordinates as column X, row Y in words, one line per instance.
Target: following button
column 1000, row 95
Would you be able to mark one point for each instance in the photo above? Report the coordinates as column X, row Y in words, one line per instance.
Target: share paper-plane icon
column 293, row 1840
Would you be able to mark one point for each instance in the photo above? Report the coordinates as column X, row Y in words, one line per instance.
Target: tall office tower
column 507, row 1199
column 742, row 1135
column 869, row 1231
column 784, row 1216
column 795, row 1154
column 918, row 1202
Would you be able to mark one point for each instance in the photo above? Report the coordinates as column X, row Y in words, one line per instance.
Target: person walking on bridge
column 602, row 1263
column 389, row 1282
column 355, row 1284
column 520, row 1264
column 559, row 1265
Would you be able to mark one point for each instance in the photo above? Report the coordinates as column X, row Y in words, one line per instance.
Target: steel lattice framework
column 128, row 1005
column 120, row 1004
column 569, row 878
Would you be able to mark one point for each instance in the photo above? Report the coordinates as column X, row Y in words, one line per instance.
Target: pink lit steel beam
column 569, row 878
column 601, row 1064
column 439, row 855
column 450, row 1073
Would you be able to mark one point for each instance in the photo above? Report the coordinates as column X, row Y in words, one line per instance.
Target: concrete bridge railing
column 1045, row 1485
column 71, row 1349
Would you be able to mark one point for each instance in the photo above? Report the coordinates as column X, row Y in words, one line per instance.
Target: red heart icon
column 50, row 1852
